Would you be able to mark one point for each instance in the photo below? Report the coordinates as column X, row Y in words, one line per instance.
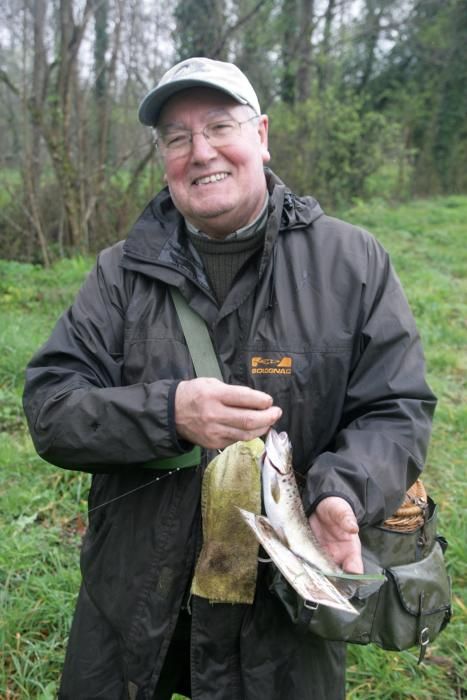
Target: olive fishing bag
column 410, row 608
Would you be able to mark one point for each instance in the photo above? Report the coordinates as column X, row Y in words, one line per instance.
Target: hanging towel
column 227, row 566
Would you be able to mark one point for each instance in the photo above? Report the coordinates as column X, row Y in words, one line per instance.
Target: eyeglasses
column 175, row 143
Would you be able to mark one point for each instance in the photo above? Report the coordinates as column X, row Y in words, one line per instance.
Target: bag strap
column 197, row 338
column 205, row 363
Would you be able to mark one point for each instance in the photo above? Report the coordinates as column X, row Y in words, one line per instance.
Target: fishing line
column 138, row 488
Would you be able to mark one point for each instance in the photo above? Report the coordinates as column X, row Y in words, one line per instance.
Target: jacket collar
column 157, row 244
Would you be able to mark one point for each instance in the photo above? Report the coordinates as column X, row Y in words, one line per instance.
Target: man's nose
column 201, row 149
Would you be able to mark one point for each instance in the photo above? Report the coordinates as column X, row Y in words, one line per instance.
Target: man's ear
column 263, row 126
column 164, row 178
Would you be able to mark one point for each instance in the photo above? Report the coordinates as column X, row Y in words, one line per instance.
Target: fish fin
column 360, row 578
column 350, row 585
column 346, row 583
column 326, row 593
column 275, row 488
column 346, row 588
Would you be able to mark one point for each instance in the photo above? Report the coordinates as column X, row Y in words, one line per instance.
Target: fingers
column 242, row 396
column 224, row 430
column 349, row 524
column 249, row 420
column 351, row 556
column 213, row 414
column 206, row 388
column 353, row 564
column 335, row 525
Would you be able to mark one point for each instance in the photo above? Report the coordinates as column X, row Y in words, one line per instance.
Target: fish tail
column 349, row 584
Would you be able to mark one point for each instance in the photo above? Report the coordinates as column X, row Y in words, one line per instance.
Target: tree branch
column 6, row 81
column 236, row 26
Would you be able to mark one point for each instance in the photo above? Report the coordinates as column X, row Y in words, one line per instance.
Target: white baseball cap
column 197, row 72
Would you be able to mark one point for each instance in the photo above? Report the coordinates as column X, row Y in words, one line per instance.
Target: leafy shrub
column 115, row 209
column 330, row 145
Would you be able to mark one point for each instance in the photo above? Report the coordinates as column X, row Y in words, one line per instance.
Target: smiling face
column 218, row 190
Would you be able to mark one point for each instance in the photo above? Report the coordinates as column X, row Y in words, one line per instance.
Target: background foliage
column 366, row 97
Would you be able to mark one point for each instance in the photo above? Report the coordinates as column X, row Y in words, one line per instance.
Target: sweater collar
column 245, row 232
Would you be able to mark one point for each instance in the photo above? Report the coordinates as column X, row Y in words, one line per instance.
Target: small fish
column 284, row 506
column 287, row 537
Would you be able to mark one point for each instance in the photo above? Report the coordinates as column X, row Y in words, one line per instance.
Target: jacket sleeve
column 79, row 414
column 382, row 440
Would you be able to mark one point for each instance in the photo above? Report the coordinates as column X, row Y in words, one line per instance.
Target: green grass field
column 43, row 509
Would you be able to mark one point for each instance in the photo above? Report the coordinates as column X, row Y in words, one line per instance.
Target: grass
column 43, row 509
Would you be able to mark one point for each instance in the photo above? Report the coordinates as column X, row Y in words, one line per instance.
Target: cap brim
column 150, row 107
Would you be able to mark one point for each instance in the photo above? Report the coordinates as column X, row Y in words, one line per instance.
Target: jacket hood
column 159, row 217
column 297, row 212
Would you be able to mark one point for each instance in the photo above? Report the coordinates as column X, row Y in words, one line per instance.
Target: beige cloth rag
column 227, row 565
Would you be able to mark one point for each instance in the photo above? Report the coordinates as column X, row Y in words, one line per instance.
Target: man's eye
column 221, row 127
column 174, row 140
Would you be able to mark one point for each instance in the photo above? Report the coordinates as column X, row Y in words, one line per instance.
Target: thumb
column 349, row 523
column 353, row 564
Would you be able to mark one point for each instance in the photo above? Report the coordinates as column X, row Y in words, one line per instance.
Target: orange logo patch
column 268, row 365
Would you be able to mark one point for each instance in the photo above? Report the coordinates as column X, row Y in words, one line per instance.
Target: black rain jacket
column 319, row 321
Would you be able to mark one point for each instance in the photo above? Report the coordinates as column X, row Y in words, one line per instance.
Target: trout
column 287, row 536
column 284, row 506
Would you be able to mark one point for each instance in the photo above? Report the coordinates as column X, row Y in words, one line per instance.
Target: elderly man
column 312, row 332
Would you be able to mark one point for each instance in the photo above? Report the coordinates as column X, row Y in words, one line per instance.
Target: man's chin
column 214, row 222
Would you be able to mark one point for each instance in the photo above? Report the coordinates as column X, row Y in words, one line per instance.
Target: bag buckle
column 310, row 605
column 423, row 640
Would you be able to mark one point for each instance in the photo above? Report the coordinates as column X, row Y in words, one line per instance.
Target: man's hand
column 336, row 528
column 213, row 414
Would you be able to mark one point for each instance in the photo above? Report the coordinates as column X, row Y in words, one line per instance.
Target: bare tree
column 304, row 49
column 31, row 165
column 325, row 59
column 65, row 110
column 199, row 28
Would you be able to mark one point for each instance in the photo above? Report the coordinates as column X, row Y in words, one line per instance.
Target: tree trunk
column 200, row 29
column 324, row 62
column 31, row 166
column 374, row 13
column 289, row 45
column 304, row 50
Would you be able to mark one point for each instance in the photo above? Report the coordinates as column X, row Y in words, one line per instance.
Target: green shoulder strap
column 197, row 338
column 205, row 363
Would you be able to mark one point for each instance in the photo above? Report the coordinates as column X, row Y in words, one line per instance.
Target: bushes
column 331, row 146
column 108, row 217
